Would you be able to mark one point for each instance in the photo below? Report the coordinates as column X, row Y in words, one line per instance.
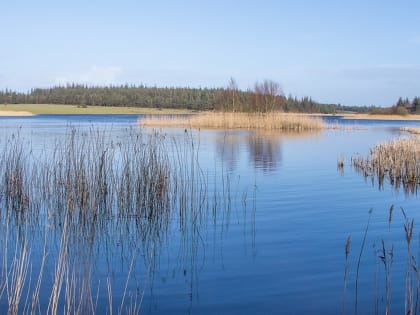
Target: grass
column 397, row 160
column 274, row 121
column 381, row 117
column 52, row 109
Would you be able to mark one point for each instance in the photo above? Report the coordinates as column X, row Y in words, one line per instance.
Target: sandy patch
column 15, row 113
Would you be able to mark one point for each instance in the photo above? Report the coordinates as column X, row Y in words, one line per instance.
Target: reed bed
column 59, row 207
column 397, row 160
column 274, row 121
column 413, row 130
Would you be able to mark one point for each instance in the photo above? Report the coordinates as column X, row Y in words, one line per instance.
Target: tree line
column 402, row 107
column 413, row 106
column 264, row 97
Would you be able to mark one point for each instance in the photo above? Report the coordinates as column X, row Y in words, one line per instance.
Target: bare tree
column 268, row 96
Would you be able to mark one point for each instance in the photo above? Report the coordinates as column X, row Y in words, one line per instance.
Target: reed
column 413, row 130
column 18, row 275
column 340, row 165
column 397, row 160
column 409, row 294
column 346, row 268
column 274, row 121
column 410, row 287
column 83, row 182
column 88, row 189
column 359, row 260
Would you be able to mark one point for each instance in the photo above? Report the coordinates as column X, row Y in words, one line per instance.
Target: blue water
column 283, row 253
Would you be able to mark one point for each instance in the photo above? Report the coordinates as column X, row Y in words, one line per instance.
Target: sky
column 351, row 52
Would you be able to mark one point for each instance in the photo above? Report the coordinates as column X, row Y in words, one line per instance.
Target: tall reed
column 359, row 259
column 410, row 289
column 238, row 120
column 346, row 268
column 90, row 189
column 397, row 160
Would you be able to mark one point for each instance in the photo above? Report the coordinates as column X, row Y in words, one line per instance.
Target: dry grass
column 397, row 160
column 413, row 130
column 381, row 117
column 222, row 120
column 53, row 109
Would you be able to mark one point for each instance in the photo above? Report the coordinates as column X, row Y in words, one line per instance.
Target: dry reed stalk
column 359, row 259
column 409, row 298
column 120, row 309
column 397, row 160
column 60, row 269
column 274, row 121
column 35, row 307
column 387, row 258
column 385, row 254
column 88, row 185
column 346, row 268
column 18, row 273
column 413, row 130
column 109, row 292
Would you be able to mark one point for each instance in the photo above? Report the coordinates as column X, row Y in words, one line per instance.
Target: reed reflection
column 263, row 150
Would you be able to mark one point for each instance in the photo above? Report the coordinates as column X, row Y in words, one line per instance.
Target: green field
column 38, row 109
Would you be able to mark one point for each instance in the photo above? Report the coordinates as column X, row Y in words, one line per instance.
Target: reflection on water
column 264, row 149
column 228, row 147
column 244, row 223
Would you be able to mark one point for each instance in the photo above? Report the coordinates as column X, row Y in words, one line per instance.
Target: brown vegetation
column 397, row 160
column 228, row 120
column 413, row 130
column 381, row 117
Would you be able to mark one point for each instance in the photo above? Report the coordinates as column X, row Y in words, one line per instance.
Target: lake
column 262, row 228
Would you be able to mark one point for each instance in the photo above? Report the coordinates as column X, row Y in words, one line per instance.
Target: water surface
column 277, row 246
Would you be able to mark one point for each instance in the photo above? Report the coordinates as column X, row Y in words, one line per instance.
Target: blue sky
column 349, row 52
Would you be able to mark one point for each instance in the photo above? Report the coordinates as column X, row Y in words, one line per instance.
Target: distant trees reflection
column 264, row 152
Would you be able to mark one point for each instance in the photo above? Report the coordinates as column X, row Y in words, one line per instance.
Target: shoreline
column 54, row 109
column 11, row 113
column 16, row 110
column 378, row 117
